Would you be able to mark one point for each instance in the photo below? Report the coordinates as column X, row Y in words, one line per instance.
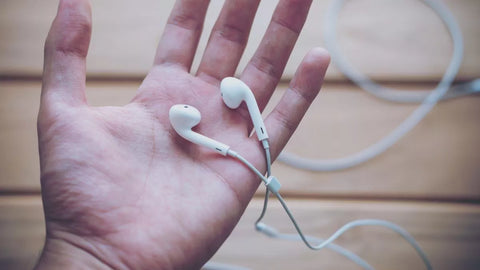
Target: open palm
column 120, row 188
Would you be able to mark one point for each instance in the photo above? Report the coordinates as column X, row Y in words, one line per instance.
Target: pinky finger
column 282, row 122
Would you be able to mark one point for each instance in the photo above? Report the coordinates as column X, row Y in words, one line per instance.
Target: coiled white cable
column 394, row 95
column 428, row 103
column 272, row 232
column 273, row 186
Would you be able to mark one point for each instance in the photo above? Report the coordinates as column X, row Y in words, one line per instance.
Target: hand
column 120, row 188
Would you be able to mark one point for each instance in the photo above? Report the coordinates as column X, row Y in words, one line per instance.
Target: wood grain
column 22, row 231
column 437, row 160
column 449, row 234
column 427, row 182
column 388, row 40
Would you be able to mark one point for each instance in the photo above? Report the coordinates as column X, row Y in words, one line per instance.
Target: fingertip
column 76, row 5
column 320, row 51
column 80, row 8
column 311, row 71
column 318, row 57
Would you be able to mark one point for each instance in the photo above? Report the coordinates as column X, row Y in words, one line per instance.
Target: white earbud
column 183, row 118
column 234, row 91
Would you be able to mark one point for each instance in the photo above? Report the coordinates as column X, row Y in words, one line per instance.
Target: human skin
column 120, row 188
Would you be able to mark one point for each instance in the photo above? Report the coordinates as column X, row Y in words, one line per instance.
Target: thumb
column 66, row 49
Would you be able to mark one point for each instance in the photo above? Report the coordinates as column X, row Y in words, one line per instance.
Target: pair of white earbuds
column 184, row 117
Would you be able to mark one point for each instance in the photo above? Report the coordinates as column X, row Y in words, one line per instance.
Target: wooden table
column 429, row 182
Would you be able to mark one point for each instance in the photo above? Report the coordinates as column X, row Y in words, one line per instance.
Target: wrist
column 59, row 254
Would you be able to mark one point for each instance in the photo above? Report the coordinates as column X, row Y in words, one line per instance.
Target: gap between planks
column 306, row 197
column 137, row 79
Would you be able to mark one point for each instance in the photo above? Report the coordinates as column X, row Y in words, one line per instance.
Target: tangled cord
column 429, row 100
column 273, row 186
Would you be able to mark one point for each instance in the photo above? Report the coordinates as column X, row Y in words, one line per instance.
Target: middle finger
column 227, row 40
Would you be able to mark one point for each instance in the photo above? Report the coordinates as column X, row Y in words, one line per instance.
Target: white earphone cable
column 328, row 242
column 429, row 100
column 272, row 232
column 389, row 94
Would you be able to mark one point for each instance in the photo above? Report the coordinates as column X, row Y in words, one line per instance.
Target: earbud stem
column 256, row 117
column 205, row 141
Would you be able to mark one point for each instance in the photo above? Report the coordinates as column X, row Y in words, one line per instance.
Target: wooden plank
column 22, row 231
column 449, row 234
column 19, row 165
column 446, row 242
column 389, row 40
column 437, row 160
